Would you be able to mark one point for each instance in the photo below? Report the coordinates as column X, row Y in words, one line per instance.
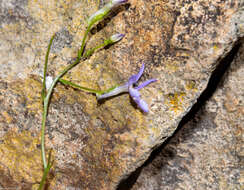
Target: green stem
column 59, row 76
column 44, row 117
column 45, row 68
column 46, row 102
column 88, row 53
column 65, row 82
column 50, row 90
column 46, row 171
column 80, row 52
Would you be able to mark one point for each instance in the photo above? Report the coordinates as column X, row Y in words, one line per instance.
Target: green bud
column 101, row 13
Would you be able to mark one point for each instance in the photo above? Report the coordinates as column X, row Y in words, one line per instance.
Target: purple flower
column 133, row 91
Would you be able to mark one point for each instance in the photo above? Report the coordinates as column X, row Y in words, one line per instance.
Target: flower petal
column 134, row 78
column 116, row 37
column 135, row 95
column 143, row 105
column 145, row 84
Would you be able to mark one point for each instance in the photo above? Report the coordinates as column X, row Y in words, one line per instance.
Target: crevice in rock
column 213, row 83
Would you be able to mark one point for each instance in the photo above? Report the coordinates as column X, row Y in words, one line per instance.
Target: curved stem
column 80, row 52
column 46, row 102
column 97, row 92
column 50, row 90
column 45, row 68
column 44, row 117
column 46, row 171
column 58, row 77
column 65, row 82
column 48, row 95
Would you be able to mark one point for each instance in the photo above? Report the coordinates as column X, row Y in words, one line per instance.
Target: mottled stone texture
column 207, row 152
column 97, row 145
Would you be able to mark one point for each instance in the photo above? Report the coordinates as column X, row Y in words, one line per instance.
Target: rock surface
column 206, row 152
column 97, row 145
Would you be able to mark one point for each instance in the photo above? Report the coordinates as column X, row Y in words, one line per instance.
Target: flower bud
column 97, row 16
column 101, row 13
column 116, row 37
column 118, row 2
column 113, row 39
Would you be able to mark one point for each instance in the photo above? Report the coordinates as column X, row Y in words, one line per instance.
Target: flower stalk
column 46, row 93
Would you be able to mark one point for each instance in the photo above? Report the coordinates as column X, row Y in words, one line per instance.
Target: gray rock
column 97, row 145
column 206, row 152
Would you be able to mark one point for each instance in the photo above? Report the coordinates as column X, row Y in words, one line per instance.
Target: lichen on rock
column 205, row 153
column 20, row 155
column 97, row 145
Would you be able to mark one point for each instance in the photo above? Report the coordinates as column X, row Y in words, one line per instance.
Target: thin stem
column 44, row 117
column 43, row 95
column 47, row 95
column 80, row 52
column 92, row 50
column 65, row 82
column 46, row 102
column 46, row 171
column 58, row 77
column 49, row 92
column 45, row 68
column 88, row 53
